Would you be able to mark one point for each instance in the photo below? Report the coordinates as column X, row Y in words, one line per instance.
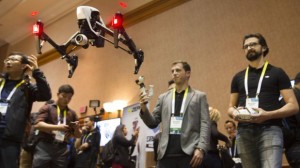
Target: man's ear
column 188, row 73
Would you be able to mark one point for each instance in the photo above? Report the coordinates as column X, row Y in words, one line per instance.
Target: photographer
column 56, row 123
column 124, row 147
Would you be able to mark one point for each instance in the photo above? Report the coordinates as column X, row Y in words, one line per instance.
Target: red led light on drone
column 117, row 21
column 37, row 28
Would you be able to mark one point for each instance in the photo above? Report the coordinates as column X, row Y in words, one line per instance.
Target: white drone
column 91, row 32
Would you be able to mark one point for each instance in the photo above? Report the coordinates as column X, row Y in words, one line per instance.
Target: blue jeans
column 260, row 146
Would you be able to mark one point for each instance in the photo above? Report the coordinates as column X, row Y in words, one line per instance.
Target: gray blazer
column 195, row 125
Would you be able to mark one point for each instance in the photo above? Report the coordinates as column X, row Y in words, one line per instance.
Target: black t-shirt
column 275, row 79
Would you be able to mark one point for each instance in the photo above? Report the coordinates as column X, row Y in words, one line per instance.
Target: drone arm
column 58, row 48
column 71, row 60
column 112, row 33
column 137, row 54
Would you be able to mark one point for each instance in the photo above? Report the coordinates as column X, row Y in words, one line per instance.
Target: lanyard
column 58, row 115
column 13, row 91
column 260, row 80
column 84, row 139
column 183, row 101
column 234, row 150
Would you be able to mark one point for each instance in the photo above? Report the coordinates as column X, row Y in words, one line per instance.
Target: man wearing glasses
column 17, row 96
column 256, row 90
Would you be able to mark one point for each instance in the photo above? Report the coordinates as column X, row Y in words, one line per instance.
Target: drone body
column 92, row 32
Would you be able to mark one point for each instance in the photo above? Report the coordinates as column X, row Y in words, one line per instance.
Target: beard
column 253, row 55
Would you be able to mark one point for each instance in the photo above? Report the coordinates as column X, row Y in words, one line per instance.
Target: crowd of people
column 189, row 136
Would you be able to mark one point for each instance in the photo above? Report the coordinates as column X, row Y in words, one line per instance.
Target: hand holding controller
column 246, row 113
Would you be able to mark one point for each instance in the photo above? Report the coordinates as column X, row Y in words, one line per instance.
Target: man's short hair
column 232, row 122
column 185, row 65
column 261, row 41
column 24, row 57
column 66, row 89
column 297, row 78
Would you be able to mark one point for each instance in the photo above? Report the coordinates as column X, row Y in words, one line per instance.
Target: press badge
column 59, row 136
column 252, row 102
column 175, row 127
column 237, row 160
column 3, row 108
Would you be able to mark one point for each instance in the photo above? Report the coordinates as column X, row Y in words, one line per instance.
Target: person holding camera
column 17, row 97
column 56, row 123
column 124, row 147
column 87, row 147
column 256, row 90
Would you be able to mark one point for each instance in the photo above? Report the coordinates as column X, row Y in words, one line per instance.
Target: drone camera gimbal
column 92, row 32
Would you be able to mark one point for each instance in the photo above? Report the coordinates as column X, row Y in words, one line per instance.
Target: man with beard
column 256, row 91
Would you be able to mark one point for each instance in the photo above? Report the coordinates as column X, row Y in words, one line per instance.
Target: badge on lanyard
column 175, row 127
column 176, row 121
column 252, row 102
column 237, row 160
column 3, row 108
column 59, row 136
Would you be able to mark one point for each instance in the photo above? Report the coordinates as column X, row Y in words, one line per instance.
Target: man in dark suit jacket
column 183, row 114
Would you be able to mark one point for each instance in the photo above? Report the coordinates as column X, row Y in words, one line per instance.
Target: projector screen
column 107, row 129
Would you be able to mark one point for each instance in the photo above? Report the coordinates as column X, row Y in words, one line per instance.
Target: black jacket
column 20, row 104
column 123, row 154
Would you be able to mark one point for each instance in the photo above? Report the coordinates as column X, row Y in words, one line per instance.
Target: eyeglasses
column 12, row 60
column 251, row 45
